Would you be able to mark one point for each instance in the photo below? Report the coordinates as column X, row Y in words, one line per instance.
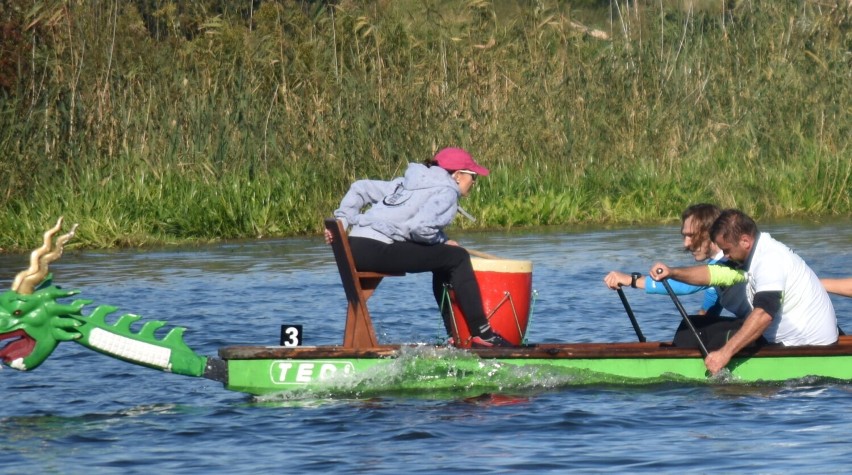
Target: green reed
column 204, row 120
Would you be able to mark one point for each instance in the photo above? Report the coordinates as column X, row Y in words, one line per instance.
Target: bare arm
column 695, row 275
column 616, row 279
column 755, row 324
column 838, row 286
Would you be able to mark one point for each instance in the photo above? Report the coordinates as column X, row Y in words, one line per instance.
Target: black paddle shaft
column 630, row 315
column 686, row 319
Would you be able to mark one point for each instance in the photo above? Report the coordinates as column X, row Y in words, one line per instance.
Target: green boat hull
column 336, row 370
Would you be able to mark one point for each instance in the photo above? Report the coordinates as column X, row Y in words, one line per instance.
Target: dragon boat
column 33, row 323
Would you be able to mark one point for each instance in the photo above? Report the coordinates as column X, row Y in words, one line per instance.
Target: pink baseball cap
column 454, row 159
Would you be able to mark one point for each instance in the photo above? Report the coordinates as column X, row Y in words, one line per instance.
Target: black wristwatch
column 633, row 278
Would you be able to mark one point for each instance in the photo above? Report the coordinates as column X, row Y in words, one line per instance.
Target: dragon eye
column 17, row 313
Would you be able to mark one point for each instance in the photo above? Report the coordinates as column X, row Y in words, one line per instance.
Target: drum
column 506, row 288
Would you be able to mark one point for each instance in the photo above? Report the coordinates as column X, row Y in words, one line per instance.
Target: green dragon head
column 33, row 323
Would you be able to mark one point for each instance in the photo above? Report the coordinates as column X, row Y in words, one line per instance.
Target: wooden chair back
column 358, row 286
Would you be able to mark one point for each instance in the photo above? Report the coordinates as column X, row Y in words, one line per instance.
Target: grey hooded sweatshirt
column 415, row 207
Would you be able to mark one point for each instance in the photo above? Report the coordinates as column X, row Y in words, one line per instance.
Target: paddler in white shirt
column 790, row 304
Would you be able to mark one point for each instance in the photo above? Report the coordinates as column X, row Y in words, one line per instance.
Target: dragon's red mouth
column 17, row 345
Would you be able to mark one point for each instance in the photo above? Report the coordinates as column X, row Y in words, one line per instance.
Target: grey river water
column 82, row 412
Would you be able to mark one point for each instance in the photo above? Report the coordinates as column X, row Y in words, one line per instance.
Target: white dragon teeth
column 129, row 349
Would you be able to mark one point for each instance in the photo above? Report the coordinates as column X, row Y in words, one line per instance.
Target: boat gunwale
column 656, row 350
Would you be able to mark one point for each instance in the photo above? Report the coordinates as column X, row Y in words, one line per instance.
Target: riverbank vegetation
column 156, row 121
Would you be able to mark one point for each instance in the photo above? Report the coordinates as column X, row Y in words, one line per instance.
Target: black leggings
column 448, row 264
column 714, row 331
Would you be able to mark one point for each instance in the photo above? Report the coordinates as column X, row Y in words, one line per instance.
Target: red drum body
column 506, row 288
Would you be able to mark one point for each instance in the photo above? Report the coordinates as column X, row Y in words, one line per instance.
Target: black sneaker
column 494, row 341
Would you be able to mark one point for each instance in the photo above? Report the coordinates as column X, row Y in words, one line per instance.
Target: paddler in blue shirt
column 696, row 221
column 402, row 230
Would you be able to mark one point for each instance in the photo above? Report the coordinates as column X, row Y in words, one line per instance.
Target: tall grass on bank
column 205, row 120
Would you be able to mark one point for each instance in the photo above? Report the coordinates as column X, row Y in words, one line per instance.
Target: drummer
column 402, row 231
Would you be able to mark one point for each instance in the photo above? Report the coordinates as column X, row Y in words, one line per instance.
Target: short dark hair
column 731, row 224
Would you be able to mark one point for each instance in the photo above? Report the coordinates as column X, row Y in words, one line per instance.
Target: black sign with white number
column 291, row 335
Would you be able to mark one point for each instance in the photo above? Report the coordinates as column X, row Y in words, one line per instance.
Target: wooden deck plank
column 541, row 351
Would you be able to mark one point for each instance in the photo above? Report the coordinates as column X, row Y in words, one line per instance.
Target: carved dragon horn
column 26, row 280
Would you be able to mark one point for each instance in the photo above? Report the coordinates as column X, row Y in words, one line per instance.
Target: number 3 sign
column 291, row 335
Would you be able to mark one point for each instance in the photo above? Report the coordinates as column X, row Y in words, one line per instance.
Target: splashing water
column 451, row 373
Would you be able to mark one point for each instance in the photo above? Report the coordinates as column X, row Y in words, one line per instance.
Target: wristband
column 633, row 278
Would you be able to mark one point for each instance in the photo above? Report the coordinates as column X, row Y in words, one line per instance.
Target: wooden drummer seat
column 359, row 286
